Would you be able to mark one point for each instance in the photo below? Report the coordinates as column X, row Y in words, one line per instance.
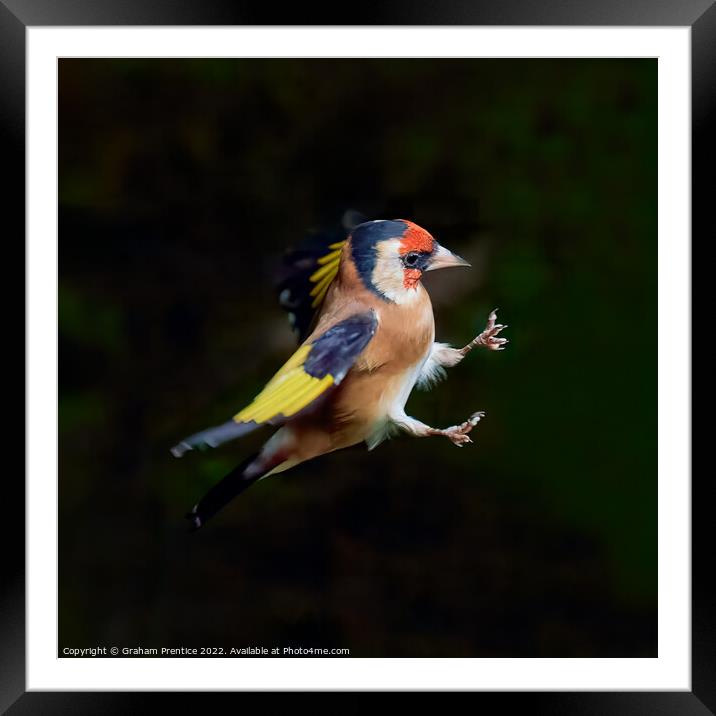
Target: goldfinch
column 367, row 339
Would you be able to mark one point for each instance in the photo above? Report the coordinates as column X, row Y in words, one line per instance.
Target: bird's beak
column 443, row 258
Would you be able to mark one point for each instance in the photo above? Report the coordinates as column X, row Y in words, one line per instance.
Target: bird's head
column 391, row 257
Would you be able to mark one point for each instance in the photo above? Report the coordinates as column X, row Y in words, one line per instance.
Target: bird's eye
column 411, row 259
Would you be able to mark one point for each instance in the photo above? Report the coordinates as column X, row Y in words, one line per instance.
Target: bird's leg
column 446, row 356
column 458, row 434
column 488, row 338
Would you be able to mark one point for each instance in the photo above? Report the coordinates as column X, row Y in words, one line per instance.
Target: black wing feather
column 294, row 286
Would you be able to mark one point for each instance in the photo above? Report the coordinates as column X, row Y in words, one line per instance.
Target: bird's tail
column 213, row 437
column 239, row 479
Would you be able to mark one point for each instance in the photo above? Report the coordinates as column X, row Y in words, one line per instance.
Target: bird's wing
column 309, row 270
column 318, row 365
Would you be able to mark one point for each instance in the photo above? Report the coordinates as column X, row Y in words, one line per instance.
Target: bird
column 367, row 337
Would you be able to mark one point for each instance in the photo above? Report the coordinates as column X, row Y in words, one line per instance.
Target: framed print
column 233, row 229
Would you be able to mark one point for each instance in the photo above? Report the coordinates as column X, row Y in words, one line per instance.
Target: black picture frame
column 17, row 15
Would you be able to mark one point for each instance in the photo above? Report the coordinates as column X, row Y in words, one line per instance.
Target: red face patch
column 411, row 277
column 415, row 238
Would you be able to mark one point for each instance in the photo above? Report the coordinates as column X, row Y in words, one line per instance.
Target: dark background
column 182, row 181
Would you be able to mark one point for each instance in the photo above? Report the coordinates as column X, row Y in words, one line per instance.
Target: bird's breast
column 385, row 373
column 381, row 379
column 404, row 337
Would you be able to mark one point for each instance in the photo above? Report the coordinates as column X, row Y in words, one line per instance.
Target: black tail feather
column 222, row 493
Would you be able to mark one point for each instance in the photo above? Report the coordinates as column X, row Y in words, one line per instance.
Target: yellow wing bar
column 288, row 392
column 323, row 276
column 312, row 370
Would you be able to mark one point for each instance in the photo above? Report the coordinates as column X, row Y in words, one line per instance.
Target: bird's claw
column 458, row 434
column 488, row 337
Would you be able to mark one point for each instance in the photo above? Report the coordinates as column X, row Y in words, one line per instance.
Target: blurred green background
column 181, row 182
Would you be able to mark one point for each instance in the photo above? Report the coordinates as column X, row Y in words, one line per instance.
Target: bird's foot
column 459, row 434
column 489, row 337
